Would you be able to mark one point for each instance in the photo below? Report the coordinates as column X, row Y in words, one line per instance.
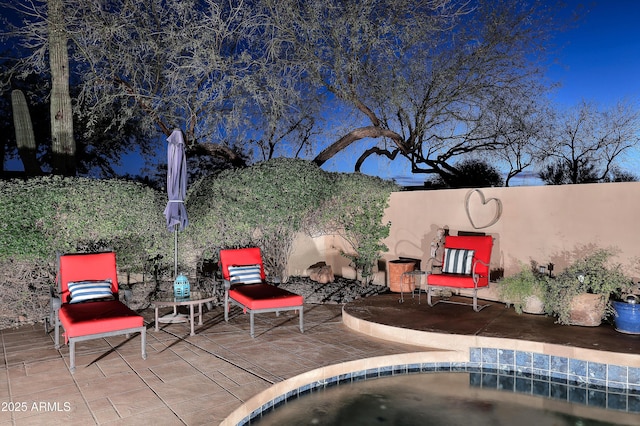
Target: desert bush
column 355, row 211
column 264, row 205
column 25, row 291
column 48, row 215
column 44, row 216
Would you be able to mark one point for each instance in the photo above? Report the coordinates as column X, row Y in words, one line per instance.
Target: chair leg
column 429, row 296
column 251, row 323
column 72, row 356
column 57, row 331
column 226, row 305
column 301, row 319
column 143, row 339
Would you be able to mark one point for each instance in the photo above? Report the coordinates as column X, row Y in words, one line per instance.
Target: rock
column 340, row 291
column 321, row 273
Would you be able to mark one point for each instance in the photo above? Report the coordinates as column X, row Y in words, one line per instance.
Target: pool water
column 435, row 399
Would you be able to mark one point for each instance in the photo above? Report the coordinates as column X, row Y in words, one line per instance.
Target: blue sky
column 600, row 59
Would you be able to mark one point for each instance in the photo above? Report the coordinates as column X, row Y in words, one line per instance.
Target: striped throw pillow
column 84, row 291
column 458, row 261
column 248, row 274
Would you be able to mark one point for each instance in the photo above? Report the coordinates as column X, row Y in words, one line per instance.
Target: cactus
column 25, row 138
column 63, row 145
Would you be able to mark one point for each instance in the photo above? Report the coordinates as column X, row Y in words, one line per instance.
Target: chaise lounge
column 88, row 306
column 245, row 286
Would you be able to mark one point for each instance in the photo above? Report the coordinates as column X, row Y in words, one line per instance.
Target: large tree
column 522, row 132
column 417, row 78
column 184, row 64
column 589, row 142
column 423, row 75
column 201, row 65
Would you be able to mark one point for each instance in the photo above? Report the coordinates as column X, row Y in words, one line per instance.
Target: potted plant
column 580, row 294
column 525, row 290
column 626, row 309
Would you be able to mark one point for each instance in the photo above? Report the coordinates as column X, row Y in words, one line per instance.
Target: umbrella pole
column 175, row 251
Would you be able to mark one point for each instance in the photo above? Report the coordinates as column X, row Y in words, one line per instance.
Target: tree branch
column 356, row 135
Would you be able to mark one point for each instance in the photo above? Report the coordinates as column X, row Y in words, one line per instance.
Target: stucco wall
column 541, row 223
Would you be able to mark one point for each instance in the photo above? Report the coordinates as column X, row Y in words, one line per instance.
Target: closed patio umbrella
column 175, row 212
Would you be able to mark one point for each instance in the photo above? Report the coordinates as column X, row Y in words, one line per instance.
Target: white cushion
column 247, row 274
column 458, row 261
column 83, row 291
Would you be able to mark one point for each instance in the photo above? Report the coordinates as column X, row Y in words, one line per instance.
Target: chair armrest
column 54, row 299
column 127, row 295
column 227, row 284
column 433, row 262
column 474, row 274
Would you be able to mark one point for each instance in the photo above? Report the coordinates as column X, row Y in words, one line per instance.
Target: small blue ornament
column 181, row 288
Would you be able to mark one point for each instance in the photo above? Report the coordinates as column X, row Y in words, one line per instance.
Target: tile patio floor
column 201, row 379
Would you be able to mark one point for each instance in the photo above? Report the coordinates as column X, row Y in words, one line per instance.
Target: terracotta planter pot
column 587, row 310
column 396, row 269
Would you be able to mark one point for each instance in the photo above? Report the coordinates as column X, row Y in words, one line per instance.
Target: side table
column 418, row 282
column 196, row 298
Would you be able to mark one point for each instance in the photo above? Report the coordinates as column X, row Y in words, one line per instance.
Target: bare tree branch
column 423, row 72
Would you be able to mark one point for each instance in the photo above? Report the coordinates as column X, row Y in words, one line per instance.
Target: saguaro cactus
column 62, row 141
column 25, row 138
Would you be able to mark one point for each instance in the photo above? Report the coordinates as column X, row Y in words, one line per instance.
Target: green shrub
column 48, row 215
column 529, row 281
column 355, row 212
column 591, row 273
column 264, row 205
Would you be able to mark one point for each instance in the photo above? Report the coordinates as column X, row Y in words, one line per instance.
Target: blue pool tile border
column 610, row 386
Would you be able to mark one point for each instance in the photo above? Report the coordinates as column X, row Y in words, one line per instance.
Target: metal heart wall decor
column 498, row 208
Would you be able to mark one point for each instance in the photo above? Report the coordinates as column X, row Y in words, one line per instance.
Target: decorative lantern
column 181, row 287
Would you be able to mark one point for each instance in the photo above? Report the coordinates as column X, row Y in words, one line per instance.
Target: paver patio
column 201, row 379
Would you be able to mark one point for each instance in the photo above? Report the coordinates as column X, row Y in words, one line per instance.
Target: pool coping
column 564, row 364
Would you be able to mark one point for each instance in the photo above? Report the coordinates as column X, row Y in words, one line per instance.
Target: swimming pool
column 458, row 398
column 601, row 377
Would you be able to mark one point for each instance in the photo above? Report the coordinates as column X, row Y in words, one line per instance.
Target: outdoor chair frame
column 257, row 297
column 478, row 276
column 92, row 319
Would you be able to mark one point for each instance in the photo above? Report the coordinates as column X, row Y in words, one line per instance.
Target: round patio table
column 418, row 283
column 197, row 298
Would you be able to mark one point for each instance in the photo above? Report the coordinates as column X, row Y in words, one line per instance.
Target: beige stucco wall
column 541, row 223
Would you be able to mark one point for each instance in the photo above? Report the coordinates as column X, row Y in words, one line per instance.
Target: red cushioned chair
column 243, row 275
column 89, row 305
column 465, row 264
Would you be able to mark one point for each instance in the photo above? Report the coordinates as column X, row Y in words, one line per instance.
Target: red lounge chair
column 465, row 264
column 244, row 286
column 90, row 309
